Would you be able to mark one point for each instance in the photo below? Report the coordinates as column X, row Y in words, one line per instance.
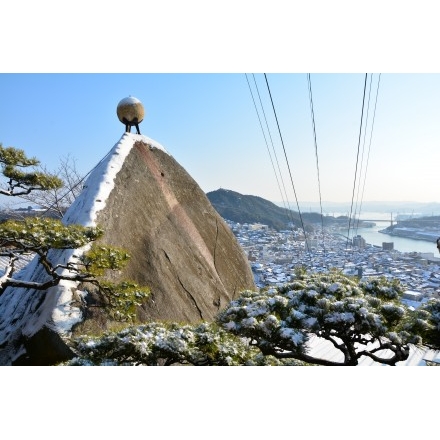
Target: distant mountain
column 9, row 214
column 241, row 208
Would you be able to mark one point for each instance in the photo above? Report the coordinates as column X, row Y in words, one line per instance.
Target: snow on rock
column 180, row 248
column 101, row 181
column 24, row 313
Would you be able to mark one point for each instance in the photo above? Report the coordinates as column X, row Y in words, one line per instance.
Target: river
column 401, row 244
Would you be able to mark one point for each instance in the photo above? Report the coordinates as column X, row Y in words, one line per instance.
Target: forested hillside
column 241, row 208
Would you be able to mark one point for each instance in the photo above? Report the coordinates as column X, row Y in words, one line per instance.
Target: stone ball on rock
column 130, row 110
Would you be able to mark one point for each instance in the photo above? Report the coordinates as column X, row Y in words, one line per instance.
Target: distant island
column 420, row 228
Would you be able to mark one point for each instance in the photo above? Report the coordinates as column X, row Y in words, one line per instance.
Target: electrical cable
column 357, row 160
column 369, row 145
column 288, row 166
column 288, row 211
column 356, row 212
column 284, row 197
column 286, row 203
column 316, row 155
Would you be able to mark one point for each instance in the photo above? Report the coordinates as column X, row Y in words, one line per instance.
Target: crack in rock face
column 180, row 248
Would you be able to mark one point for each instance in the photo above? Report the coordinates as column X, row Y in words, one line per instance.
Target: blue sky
column 61, row 81
column 208, row 122
column 192, row 56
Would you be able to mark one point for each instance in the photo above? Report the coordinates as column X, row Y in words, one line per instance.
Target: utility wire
column 356, row 211
column 357, row 160
column 267, row 146
column 288, row 211
column 316, row 154
column 369, row 145
column 265, row 140
column 287, row 205
column 287, row 161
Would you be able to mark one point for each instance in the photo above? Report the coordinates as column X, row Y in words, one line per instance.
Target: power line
column 356, row 212
column 287, row 162
column 369, row 145
column 262, row 130
column 357, row 160
column 316, row 154
column 273, row 148
column 287, row 208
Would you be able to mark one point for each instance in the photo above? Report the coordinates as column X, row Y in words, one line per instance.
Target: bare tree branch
column 57, row 200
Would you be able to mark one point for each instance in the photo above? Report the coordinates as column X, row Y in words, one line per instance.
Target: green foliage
column 101, row 258
column 426, row 323
column 16, row 157
column 169, row 344
column 274, row 326
column 300, row 271
column 251, row 209
column 40, row 235
column 121, row 300
column 10, row 159
column 37, row 179
column 35, row 233
column 382, row 288
column 242, row 208
column 356, row 317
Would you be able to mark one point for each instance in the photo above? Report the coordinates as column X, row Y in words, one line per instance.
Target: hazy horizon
column 375, row 134
column 209, row 124
column 395, row 207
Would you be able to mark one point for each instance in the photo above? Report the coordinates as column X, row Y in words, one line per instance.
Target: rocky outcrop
column 180, row 248
column 179, row 245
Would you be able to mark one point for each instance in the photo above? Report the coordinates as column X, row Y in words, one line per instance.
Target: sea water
column 401, row 244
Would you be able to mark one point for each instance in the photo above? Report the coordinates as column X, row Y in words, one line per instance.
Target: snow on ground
column 324, row 349
column 22, row 262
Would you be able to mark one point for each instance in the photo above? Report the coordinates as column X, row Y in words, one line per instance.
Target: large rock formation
column 179, row 245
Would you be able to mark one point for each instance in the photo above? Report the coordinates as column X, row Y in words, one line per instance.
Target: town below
column 275, row 255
